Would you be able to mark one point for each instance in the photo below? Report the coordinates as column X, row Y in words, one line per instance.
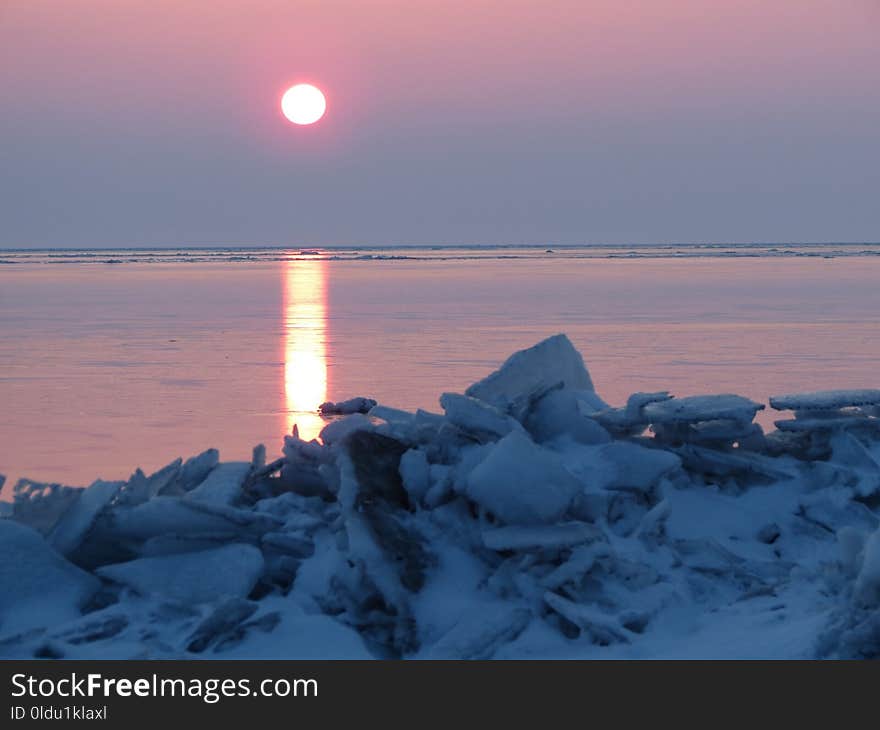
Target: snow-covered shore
column 530, row 519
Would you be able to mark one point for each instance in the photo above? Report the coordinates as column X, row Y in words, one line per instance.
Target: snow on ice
column 528, row 519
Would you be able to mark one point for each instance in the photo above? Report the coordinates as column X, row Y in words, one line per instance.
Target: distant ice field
column 433, row 253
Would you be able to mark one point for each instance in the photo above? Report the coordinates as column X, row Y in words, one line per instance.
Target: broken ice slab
column 415, row 473
column 867, row 587
column 474, row 417
column 189, row 543
column 636, row 467
column 826, row 400
column 697, row 408
column 478, row 634
column 283, row 542
column 579, row 563
column 337, row 431
column 79, row 518
column 38, row 587
column 197, row 468
column 191, row 578
column 601, row 628
column 223, row 485
column 258, row 458
column 222, row 620
column 636, row 403
column 529, row 374
column 376, row 462
column 91, row 629
column 726, row 463
column 629, row 420
column 851, row 454
column 567, row 413
column 522, row 483
column 540, row 537
column 172, row 516
column 842, row 423
column 346, row 407
column 141, row 488
column 394, row 416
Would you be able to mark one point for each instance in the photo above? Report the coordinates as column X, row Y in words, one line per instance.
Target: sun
column 303, row 104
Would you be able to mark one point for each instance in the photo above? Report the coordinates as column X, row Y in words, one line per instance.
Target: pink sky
column 460, row 88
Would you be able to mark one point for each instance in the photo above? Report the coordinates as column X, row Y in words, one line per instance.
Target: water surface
column 106, row 367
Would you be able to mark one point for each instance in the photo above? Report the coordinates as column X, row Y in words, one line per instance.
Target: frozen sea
column 115, row 359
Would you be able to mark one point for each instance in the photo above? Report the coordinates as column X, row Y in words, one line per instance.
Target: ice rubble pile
column 529, row 519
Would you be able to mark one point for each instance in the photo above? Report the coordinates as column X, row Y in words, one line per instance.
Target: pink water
column 105, row 368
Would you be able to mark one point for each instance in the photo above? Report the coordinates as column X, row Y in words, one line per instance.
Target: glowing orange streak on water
column 305, row 344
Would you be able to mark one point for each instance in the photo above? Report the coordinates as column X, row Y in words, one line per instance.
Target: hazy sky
column 156, row 122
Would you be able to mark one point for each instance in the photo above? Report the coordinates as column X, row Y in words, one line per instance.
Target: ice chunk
column 654, row 520
column 769, row 533
column 849, row 451
column 601, row 628
column 91, row 628
column 867, row 588
column 222, row 620
column 476, row 417
column 39, row 587
column 567, row 412
column 258, row 458
column 404, row 547
column 698, row 408
column 730, row 464
column 636, row 403
column 171, row 516
column 196, row 469
column 393, row 416
column 827, row 425
column 376, row 462
column 301, row 467
column 346, row 407
column 529, row 374
column 415, row 473
column 364, row 549
column 851, row 542
column 299, row 636
column 140, row 488
column 826, row 400
column 73, row 526
column 479, row 635
column 630, row 420
column 223, row 484
column 521, row 482
column 337, row 431
column 190, row 543
column 198, row 577
column 441, row 485
column 637, row 467
column 283, row 542
column 540, row 537
column 579, row 563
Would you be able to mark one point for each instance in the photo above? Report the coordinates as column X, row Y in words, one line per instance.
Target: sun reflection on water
column 305, row 344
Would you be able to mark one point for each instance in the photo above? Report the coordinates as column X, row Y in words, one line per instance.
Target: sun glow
column 305, row 345
column 303, row 104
